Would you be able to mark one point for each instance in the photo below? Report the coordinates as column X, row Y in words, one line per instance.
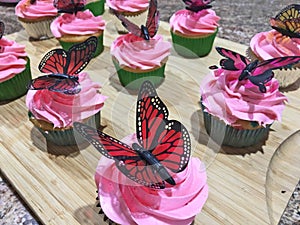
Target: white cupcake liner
column 38, row 30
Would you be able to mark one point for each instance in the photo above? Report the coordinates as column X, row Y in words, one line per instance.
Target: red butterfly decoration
column 258, row 72
column 152, row 22
column 69, row 6
column 162, row 143
column 287, row 21
column 197, row 5
column 62, row 67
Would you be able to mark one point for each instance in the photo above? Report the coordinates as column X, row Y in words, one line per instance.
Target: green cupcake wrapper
column 133, row 80
column 193, row 47
column 67, row 45
column 16, row 86
column 96, row 7
column 68, row 137
column 224, row 134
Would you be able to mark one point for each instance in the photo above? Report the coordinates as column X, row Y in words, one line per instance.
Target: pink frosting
column 229, row 99
column 131, row 204
column 83, row 23
column 135, row 52
column 128, row 5
column 272, row 44
column 12, row 59
column 192, row 23
column 41, row 8
column 61, row 109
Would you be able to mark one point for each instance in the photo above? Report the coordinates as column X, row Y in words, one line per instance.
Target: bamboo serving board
column 57, row 182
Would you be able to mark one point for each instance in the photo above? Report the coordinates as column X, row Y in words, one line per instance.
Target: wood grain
column 57, row 183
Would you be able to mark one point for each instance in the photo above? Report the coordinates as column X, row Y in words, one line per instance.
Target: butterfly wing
column 131, row 27
column 54, row 62
column 275, row 63
column 151, row 115
column 174, row 147
column 69, row 6
column 2, row 28
column 233, row 60
column 168, row 140
column 152, row 18
column 197, row 5
column 287, row 21
column 57, row 83
column 80, row 55
column 127, row 160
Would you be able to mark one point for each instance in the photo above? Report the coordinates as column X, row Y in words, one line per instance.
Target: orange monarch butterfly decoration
column 287, row 21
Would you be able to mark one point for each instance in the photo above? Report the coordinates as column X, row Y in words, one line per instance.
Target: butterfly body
column 144, row 31
column 61, row 68
column 246, row 73
column 287, row 21
column 258, row 72
column 152, row 160
column 162, row 145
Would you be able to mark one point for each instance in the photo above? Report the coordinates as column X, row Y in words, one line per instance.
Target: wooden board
column 59, row 187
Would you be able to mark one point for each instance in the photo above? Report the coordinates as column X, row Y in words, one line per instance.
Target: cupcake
column 125, row 202
column 36, row 17
column 70, row 29
column 53, row 113
column 129, row 8
column 193, row 33
column 272, row 44
column 14, row 70
column 137, row 60
column 237, row 113
column 95, row 6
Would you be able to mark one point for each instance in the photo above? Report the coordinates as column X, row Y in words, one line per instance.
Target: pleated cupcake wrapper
column 133, row 80
column 16, row 86
column 99, row 50
column 38, row 30
column 101, row 212
column 193, row 47
column 68, row 137
column 96, row 7
column 224, row 134
column 285, row 77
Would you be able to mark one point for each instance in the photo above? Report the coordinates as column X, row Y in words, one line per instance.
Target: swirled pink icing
column 12, row 59
column 128, row 5
column 135, row 52
column 83, row 23
column 131, row 204
column 191, row 23
column 272, row 44
column 61, row 109
column 41, row 8
column 229, row 99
